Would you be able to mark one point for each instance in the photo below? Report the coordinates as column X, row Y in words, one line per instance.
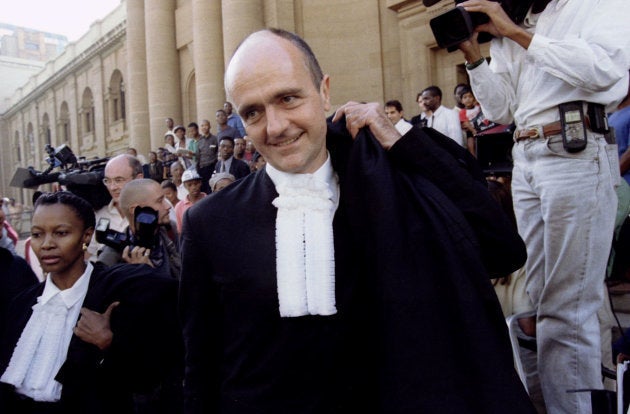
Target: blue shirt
column 236, row 122
column 620, row 120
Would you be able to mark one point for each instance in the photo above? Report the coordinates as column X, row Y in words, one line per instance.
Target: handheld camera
column 146, row 226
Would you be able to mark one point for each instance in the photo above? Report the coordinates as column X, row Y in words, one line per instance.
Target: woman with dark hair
column 87, row 339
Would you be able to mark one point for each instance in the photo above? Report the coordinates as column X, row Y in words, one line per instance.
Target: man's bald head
column 122, row 160
column 119, row 171
column 135, row 193
column 310, row 61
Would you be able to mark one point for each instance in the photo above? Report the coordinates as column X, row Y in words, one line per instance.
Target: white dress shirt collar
column 71, row 295
column 325, row 173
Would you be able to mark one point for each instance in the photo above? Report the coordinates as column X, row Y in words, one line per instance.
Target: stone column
column 163, row 77
column 136, row 94
column 240, row 18
column 208, row 58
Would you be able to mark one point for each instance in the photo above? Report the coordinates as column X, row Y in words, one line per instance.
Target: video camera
column 454, row 25
column 146, row 234
column 80, row 176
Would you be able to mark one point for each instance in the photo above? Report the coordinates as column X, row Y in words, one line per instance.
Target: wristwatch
column 471, row 66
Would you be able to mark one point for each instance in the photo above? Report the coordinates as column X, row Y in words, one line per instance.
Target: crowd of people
column 462, row 124
column 295, row 262
column 196, row 147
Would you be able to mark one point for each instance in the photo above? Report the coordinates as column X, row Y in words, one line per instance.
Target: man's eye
column 250, row 115
column 288, row 99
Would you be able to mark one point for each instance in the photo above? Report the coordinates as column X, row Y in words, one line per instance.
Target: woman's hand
column 94, row 328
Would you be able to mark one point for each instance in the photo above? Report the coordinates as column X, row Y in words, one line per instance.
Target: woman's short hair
column 81, row 207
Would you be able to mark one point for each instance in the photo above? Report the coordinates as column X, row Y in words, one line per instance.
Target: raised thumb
column 110, row 308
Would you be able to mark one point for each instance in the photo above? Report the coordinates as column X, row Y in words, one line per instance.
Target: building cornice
column 103, row 44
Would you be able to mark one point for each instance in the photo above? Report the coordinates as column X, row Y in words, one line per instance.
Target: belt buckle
column 535, row 132
column 528, row 133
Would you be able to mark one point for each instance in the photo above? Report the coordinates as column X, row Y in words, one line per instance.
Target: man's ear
column 130, row 212
column 324, row 91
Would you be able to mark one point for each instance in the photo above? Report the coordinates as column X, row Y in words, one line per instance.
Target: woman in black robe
column 124, row 344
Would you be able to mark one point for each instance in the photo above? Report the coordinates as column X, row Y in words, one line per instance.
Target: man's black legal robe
column 145, row 352
column 418, row 327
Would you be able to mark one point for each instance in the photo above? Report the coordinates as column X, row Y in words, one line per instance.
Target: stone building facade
column 152, row 59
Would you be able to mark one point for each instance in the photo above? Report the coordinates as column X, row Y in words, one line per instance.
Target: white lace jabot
column 43, row 345
column 305, row 251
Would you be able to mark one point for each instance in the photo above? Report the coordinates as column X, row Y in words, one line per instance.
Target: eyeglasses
column 119, row 181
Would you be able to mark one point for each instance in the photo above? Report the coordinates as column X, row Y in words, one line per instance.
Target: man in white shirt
column 564, row 197
column 118, row 171
column 439, row 117
column 394, row 111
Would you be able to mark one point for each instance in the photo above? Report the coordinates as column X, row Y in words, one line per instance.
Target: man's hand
column 500, row 24
column 471, row 49
column 372, row 115
column 137, row 255
column 94, row 327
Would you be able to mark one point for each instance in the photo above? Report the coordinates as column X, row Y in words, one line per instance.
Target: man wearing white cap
column 192, row 182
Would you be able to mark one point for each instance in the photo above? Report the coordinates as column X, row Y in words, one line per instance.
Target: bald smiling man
column 365, row 285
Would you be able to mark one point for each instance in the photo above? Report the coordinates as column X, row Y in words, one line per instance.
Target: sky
column 71, row 18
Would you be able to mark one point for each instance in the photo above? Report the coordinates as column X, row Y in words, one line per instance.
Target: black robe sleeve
column 456, row 173
column 427, row 229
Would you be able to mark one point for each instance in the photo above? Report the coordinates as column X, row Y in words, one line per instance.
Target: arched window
column 86, row 113
column 116, row 97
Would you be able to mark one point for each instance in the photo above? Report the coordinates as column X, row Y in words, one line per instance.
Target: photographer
column 119, row 170
column 163, row 253
column 556, row 76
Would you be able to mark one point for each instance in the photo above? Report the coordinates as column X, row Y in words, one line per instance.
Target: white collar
column 324, row 173
column 112, row 209
column 71, row 295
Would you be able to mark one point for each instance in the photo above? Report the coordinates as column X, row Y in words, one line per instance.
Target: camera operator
column 164, row 256
column 555, row 76
column 118, row 171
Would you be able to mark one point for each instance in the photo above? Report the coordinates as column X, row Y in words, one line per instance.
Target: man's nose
column 276, row 122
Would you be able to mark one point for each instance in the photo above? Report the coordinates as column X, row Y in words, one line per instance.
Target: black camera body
column 146, row 224
column 80, row 176
column 456, row 25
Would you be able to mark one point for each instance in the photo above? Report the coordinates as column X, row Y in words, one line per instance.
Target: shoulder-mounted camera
column 453, row 25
